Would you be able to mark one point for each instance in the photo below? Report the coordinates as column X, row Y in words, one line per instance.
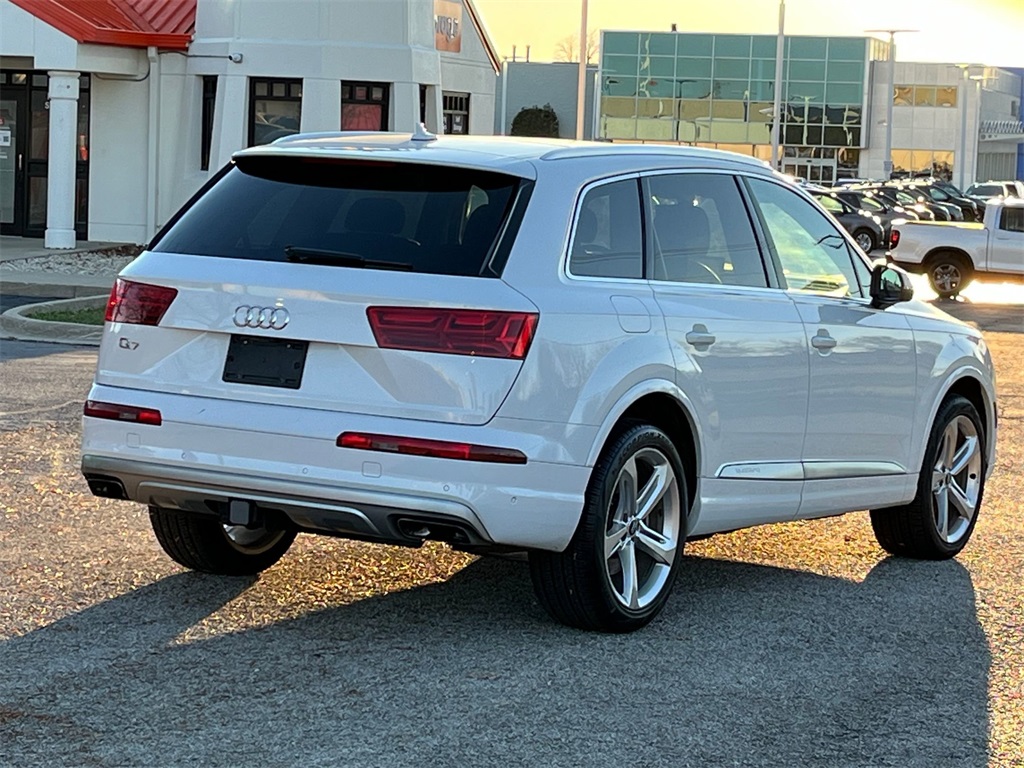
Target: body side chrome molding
column 807, row 470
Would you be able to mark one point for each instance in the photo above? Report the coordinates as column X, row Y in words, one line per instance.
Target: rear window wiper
column 340, row 259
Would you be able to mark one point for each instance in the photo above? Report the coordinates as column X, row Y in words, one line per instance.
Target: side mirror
column 889, row 285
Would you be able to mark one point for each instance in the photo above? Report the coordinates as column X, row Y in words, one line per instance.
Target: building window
column 275, row 109
column 209, row 101
column 456, row 112
column 364, row 106
column 909, row 163
column 924, row 96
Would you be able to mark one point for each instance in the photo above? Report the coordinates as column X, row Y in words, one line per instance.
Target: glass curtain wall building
column 718, row 91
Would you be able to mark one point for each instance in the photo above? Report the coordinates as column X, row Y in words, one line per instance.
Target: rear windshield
column 987, row 190
column 402, row 216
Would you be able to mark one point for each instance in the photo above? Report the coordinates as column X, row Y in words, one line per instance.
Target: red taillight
column 138, row 303
column 438, row 449
column 480, row 332
column 894, row 238
column 117, row 412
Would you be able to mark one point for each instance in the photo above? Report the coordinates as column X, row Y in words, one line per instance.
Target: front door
column 1006, row 242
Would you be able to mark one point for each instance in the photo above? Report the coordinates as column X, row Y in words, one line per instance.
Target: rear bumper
column 200, row 467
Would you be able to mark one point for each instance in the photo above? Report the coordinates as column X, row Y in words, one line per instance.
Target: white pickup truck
column 952, row 254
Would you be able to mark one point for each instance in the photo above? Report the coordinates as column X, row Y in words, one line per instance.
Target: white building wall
column 919, row 127
column 118, row 160
column 321, row 42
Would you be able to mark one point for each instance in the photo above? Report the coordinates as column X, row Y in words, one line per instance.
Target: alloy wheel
column 643, row 530
column 946, row 277
column 956, row 479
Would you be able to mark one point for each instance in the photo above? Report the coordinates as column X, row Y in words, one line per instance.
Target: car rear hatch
column 340, row 284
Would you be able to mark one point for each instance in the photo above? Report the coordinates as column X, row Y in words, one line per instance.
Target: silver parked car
column 589, row 352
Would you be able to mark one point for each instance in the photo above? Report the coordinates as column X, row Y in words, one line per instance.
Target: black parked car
column 867, row 230
column 944, row 193
column 870, row 203
column 926, row 210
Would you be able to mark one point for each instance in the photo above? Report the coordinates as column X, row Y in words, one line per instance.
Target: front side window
column 702, row 233
column 275, row 109
column 608, row 239
column 814, row 256
column 830, row 204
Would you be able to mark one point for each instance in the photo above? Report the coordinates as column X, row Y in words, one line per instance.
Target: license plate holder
column 265, row 362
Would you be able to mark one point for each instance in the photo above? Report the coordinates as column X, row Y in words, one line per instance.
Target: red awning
column 167, row 24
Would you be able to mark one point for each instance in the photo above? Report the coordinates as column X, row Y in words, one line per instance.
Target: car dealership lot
column 791, row 644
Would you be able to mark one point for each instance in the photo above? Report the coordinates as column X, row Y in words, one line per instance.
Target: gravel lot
column 795, row 644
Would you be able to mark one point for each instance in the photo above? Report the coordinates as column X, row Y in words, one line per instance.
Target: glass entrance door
column 12, row 163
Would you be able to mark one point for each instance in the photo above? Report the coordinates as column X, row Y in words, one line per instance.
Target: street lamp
column 581, row 79
column 780, row 45
column 887, row 163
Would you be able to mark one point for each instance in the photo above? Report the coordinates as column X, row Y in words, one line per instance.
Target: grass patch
column 84, row 316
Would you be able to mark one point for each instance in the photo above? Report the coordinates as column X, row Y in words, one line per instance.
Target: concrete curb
column 15, row 323
column 55, row 284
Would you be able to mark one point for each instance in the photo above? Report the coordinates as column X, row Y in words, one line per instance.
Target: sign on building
column 448, row 26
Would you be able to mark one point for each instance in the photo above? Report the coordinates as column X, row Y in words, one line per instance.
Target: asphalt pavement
column 786, row 645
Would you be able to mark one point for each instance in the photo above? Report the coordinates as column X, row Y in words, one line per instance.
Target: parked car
column 944, row 193
column 952, row 255
column 589, row 352
column 982, row 193
column 926, row 211
column 868, row 231
column 868, row 201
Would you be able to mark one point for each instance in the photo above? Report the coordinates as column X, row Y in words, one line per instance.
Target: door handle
column 20, row 157
column 822, row 341
column 699, row 337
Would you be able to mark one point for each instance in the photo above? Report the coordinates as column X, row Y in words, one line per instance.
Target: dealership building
column 718, row 90
column 114, row 112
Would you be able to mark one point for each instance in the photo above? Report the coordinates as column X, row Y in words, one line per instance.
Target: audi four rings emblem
column 274, row 318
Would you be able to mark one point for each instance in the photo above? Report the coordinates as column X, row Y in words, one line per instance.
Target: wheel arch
column 661, row 404
column 935, row 253
column 967, row 382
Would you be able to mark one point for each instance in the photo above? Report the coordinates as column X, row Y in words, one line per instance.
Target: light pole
column 887, row 162
column 581, row 78
column 961, row 162
column 780, row 46
column 978, row 80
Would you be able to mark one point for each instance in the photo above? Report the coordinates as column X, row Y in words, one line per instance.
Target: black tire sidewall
column 597, row 511
column 952, row 408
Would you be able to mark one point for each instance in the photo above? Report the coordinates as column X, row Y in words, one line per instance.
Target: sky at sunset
column 959, row 31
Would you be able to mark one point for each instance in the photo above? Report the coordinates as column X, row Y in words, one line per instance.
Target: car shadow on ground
column 747, row 665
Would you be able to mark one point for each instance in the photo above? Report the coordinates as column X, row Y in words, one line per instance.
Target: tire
column 938, row 523
column 949, row 273
column 865, row 239
column 204, row 544
column 588, row 585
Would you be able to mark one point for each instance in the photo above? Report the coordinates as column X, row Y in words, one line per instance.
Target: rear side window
column 702, row 233
column 608, row 240
column 400, row 216
column 1013, row 220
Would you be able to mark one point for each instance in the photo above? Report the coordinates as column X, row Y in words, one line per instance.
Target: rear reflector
column 484, row 333
column 117, row 412
column 138, row 303
column 438, row 449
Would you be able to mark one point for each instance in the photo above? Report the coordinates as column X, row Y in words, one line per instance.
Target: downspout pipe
column 153, row 147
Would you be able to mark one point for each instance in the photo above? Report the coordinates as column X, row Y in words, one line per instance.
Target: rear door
column 739, row 347
column 356, row 286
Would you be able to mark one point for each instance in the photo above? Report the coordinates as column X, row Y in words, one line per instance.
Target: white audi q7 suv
column 589, row 352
